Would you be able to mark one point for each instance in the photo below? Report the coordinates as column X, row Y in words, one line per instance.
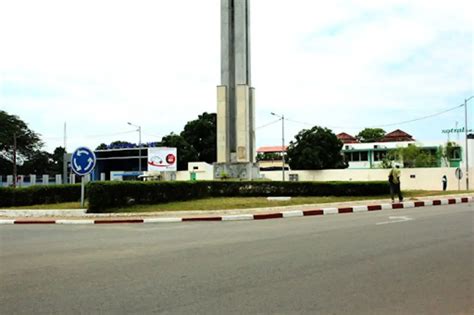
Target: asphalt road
column 366, row 263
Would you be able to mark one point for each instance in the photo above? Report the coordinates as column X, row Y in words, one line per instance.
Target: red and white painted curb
column 265, row 216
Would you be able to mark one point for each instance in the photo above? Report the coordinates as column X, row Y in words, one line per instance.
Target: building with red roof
column 346, row 138
column 397, row 136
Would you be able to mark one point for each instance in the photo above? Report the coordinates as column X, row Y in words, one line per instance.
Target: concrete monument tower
column 235, row 96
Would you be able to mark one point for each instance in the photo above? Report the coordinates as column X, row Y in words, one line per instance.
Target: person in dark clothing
column 444, row 180
column 394, row 181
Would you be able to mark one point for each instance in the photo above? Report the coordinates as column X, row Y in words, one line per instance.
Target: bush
column 107, row 195
column 104, row 195
column 34, row 195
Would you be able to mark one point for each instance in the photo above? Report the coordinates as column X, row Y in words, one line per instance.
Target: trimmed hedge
column 40, row 194
column 106, row 195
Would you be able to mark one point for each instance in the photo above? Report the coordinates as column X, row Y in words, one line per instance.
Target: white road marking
column 396, row 219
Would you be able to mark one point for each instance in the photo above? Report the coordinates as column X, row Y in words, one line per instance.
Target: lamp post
column 139, row 145
column 282, row 118
column 467, row 145
column 14, row 160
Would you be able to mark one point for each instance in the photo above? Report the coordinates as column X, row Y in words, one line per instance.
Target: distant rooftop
column 270, row 149
column 346, row 138
column 397, row 136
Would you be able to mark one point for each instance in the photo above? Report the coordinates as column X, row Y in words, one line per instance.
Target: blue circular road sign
column 83, row 161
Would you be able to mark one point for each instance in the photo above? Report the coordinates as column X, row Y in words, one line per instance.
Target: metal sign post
column 82, row 163
column 458, row 174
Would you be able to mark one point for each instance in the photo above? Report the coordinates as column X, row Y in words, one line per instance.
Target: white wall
column 424, row 178
column 203, row 170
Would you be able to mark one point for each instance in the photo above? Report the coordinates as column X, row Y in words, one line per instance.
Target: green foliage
column 42, row 162
column 411, row 156
column 27, row 141
column 269, row 156
column 102, row 146
column 201, row 135
column 104, row 196
column 38, row 163
column 315, row 149
column 370, row 135
column 41, row 194
column 450, row 151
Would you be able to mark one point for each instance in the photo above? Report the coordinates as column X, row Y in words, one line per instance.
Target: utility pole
column 139, row 145
column 467, row 142
column 282, row 117
column 65, row 179
column 283, row 146
column 14, row 160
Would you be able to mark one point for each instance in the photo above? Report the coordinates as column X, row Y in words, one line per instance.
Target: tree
column 315, row 149
column 57, row 160
column 370, row 135
column 412, row 156
column 201, row 135
column 102, row 146
column 186, row 152
column 27, row 141
column 39, row 163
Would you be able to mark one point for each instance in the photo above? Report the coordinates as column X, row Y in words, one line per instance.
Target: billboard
column 162, row 159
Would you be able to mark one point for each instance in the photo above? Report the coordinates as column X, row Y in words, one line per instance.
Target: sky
column 340, row 64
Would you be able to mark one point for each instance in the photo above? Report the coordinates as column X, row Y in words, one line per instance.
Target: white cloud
column 99, row 64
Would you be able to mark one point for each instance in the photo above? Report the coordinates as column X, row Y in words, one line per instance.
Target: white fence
column 31, row 180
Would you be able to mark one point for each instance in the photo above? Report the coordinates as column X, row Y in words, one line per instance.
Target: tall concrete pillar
column 235, row 96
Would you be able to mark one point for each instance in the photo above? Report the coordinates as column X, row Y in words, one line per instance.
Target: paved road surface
column 367, row 263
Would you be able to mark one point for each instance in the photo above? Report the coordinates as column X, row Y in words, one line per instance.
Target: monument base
column 243, row 171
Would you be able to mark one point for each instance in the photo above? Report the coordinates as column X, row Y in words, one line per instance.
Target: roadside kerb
column 259, row 216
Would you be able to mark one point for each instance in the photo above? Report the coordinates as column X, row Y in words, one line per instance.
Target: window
column 356, row 156
column 380, row 155
column 455, row 153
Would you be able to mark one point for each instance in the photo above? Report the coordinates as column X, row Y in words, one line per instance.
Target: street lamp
column 139, row 145
column 282, row 118
column 466, row 147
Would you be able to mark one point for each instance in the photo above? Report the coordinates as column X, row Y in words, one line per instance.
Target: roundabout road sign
column 83, row 161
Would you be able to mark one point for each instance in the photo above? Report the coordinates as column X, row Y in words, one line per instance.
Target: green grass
column 240, row 202
column 262, row 202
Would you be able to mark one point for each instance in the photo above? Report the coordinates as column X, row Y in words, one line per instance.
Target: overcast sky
column 341, row 64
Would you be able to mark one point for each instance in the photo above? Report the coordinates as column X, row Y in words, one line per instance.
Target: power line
column 420, row 118
column 91, row 136
column 384, row 125
column 269, row 124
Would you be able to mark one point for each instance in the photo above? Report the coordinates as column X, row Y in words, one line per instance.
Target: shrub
column 107, row 195
column 34, row 195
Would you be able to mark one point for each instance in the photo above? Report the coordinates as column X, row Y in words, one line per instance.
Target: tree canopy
column 370, row 135
column 27, row 141
column 201, row 135
column 412, row 156
column 315, row 149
